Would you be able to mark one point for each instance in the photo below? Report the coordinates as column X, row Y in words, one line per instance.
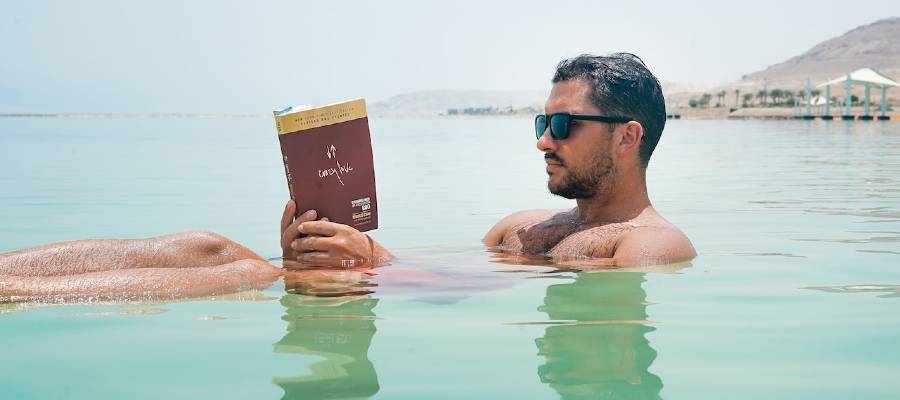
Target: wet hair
column 621, row 85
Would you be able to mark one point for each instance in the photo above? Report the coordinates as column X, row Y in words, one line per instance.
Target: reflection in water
column 888, row 290
column 340, row 331
column 599, row 349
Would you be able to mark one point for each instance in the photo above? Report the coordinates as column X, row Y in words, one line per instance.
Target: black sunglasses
column 560, row 122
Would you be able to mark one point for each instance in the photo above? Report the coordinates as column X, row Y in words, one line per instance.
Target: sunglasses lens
column 540, row 125
column 559, row 126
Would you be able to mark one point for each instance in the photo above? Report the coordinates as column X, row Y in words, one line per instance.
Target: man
column 602, row 121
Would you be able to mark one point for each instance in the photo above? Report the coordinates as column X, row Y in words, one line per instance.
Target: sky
column 255, row 56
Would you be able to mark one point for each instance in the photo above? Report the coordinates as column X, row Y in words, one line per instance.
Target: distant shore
column 773, row 113
column 130, row 115
column 760, row 113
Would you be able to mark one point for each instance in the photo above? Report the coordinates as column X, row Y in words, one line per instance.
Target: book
column 327, row 154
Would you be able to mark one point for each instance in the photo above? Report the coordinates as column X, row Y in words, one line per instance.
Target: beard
column 585, row 183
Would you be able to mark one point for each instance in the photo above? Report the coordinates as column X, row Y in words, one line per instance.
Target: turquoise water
column 795, row 294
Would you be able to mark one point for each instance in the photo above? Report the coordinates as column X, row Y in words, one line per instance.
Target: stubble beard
column 595, row 180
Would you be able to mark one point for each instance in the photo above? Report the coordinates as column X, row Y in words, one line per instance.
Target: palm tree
column 788, row 98
column 748, row 97
column 704, row 100
column 737, row 96
column 762, row 96
column 776, row 95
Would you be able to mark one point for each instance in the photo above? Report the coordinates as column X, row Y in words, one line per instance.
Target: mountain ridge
column 875, row 45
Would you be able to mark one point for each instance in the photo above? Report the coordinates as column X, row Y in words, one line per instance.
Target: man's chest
column 566, row 240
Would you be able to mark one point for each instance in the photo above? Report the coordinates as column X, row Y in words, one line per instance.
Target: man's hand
column 289, row 231
column 328, row 244
column 324, row 243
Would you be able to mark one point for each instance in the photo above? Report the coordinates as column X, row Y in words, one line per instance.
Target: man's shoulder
column 519, row 218
column 654, row 244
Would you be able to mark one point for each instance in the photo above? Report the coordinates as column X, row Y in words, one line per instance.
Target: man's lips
column 553, row 162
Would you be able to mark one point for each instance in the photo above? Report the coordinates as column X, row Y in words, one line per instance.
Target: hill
column 876, row 45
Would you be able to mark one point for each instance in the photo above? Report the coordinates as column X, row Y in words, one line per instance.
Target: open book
column 327, row 153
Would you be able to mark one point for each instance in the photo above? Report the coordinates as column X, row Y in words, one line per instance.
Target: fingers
column 321, row 227
column 288, row 236
column 292, row 232
column 312, row 243
column 309, row 215
column 288, row 216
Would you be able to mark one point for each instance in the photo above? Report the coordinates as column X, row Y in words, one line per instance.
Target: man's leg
column 188, row 264
column 140, row 284
column 185, row 249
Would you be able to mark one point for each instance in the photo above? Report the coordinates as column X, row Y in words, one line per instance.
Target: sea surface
column 795, row 293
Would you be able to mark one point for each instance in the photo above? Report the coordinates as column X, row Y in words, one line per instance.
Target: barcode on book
column 363, row 203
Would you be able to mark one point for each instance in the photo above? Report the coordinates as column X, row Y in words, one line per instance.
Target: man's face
column 579, row 166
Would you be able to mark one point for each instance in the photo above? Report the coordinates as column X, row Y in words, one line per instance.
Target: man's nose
column 546, row 143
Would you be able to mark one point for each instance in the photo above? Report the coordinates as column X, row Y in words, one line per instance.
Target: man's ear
column 632, row 132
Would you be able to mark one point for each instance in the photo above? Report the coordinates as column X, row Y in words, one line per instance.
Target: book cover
column 327, row 153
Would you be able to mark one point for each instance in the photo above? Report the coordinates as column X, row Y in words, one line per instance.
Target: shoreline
column 721, row 113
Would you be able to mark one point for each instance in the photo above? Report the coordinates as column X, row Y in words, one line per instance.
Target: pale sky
column 253, row 56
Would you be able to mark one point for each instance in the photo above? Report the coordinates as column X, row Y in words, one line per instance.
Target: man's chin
column 564, row 192
column 567, row 191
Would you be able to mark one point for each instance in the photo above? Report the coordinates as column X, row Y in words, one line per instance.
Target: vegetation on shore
column 764, row 98
column 490, row 110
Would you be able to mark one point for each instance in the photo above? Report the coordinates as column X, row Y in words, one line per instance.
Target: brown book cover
column 327, row 153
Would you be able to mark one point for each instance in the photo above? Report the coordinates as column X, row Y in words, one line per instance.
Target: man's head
column 586, row 164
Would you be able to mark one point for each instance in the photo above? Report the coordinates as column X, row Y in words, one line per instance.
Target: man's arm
column 653, row 246
column 494, row 237
column 186, row 249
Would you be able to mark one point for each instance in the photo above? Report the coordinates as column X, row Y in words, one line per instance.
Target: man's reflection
column 599, row 350
column 338, row 329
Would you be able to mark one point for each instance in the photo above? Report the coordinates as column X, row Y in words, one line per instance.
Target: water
column 794, row 295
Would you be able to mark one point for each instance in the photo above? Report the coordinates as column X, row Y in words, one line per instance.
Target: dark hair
column 621, row 85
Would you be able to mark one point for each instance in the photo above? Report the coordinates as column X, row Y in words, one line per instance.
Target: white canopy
column 817, row 101
column 863, row 76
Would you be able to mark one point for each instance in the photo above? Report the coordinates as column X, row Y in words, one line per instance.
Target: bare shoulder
column 654, row 245
column 519, row 218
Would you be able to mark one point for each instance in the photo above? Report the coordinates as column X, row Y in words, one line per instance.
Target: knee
column 215, row 245
column 208, row 242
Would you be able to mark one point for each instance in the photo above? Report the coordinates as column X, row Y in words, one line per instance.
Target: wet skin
column 614, row 225
column 187, row 264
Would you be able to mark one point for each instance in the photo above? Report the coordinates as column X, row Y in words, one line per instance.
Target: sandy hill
column 876, row 45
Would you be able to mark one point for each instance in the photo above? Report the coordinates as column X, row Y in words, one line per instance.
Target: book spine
column 290, row 178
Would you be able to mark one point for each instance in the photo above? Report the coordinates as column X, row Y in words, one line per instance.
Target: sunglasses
column 560, row 122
